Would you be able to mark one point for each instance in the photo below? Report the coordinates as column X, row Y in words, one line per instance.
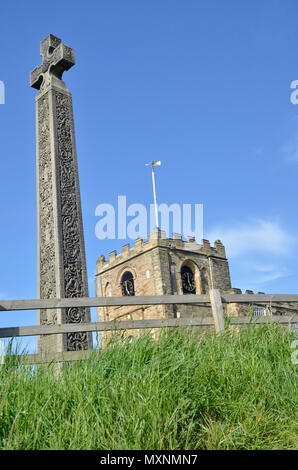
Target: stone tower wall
column 156, row 265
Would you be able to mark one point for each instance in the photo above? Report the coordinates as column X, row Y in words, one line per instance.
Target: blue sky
column 203, row 86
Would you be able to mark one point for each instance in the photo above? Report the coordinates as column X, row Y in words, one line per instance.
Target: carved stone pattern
column 46, row 214
column 70, row 218
column 68, row 52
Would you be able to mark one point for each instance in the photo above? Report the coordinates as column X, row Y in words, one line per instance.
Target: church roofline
column 158, row 238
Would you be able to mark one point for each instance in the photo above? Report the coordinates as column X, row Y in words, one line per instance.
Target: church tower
column 161, row 266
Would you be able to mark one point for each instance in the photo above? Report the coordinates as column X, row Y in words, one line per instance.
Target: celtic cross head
column 56, row 59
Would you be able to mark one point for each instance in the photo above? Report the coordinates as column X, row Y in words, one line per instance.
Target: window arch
column 188, row 280
column 127, row 284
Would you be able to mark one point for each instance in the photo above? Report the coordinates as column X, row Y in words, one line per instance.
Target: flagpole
column 154, row 195
column 153, row 164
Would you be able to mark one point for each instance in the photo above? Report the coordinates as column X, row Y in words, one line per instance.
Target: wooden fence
column 214, row 297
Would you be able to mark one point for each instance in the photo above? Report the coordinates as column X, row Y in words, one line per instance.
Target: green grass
column 233, row 391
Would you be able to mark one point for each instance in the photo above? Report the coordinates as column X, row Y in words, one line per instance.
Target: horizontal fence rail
column 16, row 331
column 70, row 356
column 36, row 304
column 102, row 326
column 214, row 298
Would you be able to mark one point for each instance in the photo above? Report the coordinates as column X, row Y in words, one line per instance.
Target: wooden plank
column 258, row 298
column 217, row 310
column 264, row 319
column 69, row 356
column 15, row 331
column 36, row 304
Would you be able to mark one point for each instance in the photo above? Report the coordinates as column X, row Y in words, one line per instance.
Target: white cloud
column 261, row 274
column 255, row 236
column 251, row 278
column 270, row 277
column 260, row 251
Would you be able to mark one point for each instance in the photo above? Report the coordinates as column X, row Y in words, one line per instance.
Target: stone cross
column 56, row 59
column 61, row 250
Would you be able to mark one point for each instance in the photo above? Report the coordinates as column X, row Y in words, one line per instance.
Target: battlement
column 235, row 290
column 158, row 238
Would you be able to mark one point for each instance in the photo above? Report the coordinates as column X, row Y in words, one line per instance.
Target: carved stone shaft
column 61, row 251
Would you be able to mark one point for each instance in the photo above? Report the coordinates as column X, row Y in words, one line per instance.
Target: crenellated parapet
column 158, row 238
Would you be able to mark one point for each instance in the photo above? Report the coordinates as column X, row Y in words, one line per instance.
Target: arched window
column 127, row 284
column 188, row 280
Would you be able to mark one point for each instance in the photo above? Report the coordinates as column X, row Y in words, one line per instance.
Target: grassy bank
column 234, row 391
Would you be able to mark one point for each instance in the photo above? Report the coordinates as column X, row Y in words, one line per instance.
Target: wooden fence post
column 217, row 310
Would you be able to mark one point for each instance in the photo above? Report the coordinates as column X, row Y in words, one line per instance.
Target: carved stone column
column 61, row 251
